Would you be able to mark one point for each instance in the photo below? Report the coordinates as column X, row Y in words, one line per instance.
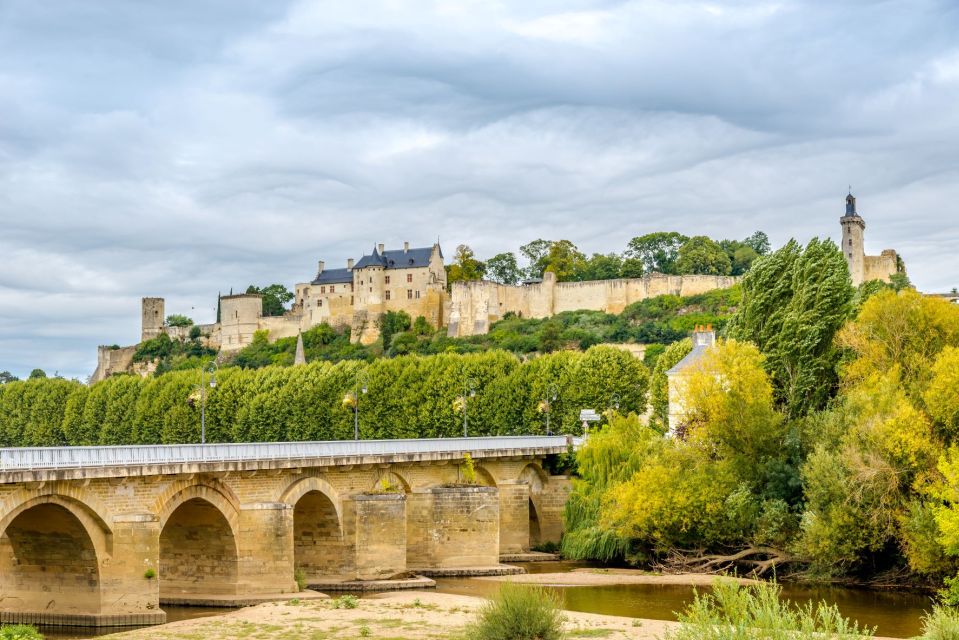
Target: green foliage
column 6, row 376
column 19, row 632
column 519, row 612
column 408, row 396
column 393, row 322
column 468, row 469
column 178, row 320
column 465, row 266
column 657, row 252
column 275, row 298
column 699, row 254
column 299, row 576
column 346, row 602
column 734, row 612
column 37, row 374
column 503, row 268
column 941, row 624
column 150, row 573
column 794, row 302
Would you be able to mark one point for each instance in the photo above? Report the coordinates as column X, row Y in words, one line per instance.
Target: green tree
column 465, row 266
column 275, row 298
column 178, row 320
column 758, row 242
column 601, row 267
column 393, row 322
column 37, row 373
column 794, row 302
column 565, row 260
column 535, row 253
column 6, row 376
column 657, row 251
column 700, row 255
column 502, row 268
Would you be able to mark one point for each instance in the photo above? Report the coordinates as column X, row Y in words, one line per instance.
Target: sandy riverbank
column 605, row 577
column 390, row 616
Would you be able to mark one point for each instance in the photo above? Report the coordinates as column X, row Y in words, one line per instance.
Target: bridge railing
column 139, row 455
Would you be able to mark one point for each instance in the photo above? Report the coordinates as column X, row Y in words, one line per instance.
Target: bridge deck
column 19, row 464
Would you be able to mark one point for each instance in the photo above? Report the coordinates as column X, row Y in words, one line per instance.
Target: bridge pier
column 380, row 535
column 460, row 529
column 514, row 517
column 266, row 549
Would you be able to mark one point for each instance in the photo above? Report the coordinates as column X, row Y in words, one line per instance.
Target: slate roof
column 334, row 276
column 397, row 258
column 702, row 342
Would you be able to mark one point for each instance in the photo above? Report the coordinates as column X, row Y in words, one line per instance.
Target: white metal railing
column 81, row 457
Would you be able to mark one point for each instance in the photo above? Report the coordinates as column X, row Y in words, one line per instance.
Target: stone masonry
column 108, row 545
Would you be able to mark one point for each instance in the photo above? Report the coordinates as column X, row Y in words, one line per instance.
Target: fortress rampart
column 476, row 305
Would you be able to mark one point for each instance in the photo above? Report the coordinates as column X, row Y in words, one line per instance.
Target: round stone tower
column 853, row 227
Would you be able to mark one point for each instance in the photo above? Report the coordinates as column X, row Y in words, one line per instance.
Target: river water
column 894, row 614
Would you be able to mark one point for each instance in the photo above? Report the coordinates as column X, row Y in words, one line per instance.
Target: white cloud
column 153, row 150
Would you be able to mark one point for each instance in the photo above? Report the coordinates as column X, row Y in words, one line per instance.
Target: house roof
column 397, row 258
column 334, row 276
column 703, row 340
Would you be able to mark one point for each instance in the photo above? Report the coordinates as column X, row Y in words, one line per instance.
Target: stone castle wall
column 881, row 267
column 475, row 306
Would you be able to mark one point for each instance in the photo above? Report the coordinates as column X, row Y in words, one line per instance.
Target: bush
column 299, row 576
column 734, row 612
column 19, row 632
column 941, row 624
column 346, row 602
column 519, row 612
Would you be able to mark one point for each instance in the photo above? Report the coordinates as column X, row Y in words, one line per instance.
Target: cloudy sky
column 187, row 147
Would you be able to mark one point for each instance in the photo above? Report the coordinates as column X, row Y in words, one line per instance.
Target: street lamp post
column 362, row 381
column 469, row 391
column 212, row 370
column 614, row 402
column 551, row 394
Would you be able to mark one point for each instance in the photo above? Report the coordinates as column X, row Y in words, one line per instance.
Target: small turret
column 853, row 247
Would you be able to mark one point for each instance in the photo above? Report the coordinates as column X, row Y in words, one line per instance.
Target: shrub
column 300, row 577
column 519, row 612
column 19, row 632
column 468, row 469
column 734, row 612
column 941, row 624
column 346, row 602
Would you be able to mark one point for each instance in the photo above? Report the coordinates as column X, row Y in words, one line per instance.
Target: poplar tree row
column 406, row 397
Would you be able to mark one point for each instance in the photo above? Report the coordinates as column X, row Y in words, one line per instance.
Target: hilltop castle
column 414, row 280
column 863, row 268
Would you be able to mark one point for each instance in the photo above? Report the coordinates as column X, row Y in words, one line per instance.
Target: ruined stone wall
column 474, row 306
column 880, row 267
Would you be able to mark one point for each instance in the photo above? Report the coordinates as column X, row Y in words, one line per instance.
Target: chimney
column 321, row 267
column 349, row 263
column 704, row 335
column 406, row 247
column 381, row 246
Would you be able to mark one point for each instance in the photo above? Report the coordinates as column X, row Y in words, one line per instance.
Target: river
column 894, row 614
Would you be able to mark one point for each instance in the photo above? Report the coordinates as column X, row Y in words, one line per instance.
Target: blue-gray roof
column 690, row 358
column 397, row 258
column 334, row 276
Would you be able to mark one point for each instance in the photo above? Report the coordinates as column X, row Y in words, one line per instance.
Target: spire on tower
column 851, row 204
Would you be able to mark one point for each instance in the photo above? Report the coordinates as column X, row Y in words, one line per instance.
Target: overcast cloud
column 182, row 148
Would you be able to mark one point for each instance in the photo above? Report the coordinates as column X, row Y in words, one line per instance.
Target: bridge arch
column 198, row 546
column 51, row 548
column 320, row 548
column 537, row 479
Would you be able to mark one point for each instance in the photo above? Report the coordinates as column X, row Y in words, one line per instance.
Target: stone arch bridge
column 102, row 536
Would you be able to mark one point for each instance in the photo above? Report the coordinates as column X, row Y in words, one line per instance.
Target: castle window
column 387, row 279
column 850, row 242
column 351, row 300
column 319, row 303
column 322, row 289
column 850, row 255
column 409, row 277
column 417, row 295
column 409, row 294
column 387, row 295
column 331, row 288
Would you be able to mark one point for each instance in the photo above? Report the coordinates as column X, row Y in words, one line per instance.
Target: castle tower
column 152, row 318
column 853, row 227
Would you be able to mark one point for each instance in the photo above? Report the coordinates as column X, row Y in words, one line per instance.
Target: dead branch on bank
column 757, row 561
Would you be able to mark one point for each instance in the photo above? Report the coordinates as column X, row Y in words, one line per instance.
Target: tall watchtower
column 152, row 318
column 853, row 227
